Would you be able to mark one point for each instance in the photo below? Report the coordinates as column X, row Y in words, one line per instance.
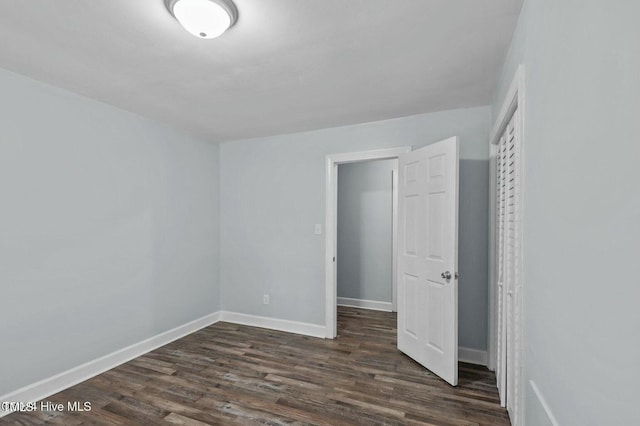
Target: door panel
column 412, row 321
column 435, row 300
column 508, row 249
column 410, row 226
column 428, row 239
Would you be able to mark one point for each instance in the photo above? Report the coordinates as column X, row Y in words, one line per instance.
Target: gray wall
column 581, row 207
column 272, row 193
column 365, row 230
column 108, row 230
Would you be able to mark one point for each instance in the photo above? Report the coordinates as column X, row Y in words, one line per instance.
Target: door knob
column 446, row 275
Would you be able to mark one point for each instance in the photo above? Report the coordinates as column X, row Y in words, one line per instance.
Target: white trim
column 375, row 154
column 493, row 320
column 472, row 356
column 331, row 231
column 394, row 238
column 59, row 382
column 365, row 304
column 331, row 201
column 288, row 326
column 66, row 379
column 543, row 403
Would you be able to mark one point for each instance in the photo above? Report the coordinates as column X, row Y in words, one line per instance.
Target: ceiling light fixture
column 204, row 18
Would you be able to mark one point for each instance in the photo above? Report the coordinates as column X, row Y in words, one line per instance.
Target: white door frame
column 513, row 100
column 394, row 239
column 331, row 215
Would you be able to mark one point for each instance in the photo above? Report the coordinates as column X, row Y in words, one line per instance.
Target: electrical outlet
column 318, row 229
column 265, row 299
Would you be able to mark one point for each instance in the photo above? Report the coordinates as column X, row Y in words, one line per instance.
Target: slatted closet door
column 501, row 191
column 508, row 249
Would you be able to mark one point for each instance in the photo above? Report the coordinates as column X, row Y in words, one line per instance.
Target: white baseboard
column 52, row 385
column 365, row 304
column 537, row 407
column 307, row 329
column 73, row 376
column 472, row 356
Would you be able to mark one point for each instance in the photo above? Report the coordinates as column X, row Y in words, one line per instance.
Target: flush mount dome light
column 204, row 18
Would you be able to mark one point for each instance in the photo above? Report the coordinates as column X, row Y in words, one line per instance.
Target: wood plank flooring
column 234, row 374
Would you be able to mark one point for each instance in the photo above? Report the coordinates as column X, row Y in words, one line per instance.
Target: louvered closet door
column 508, row 267
column 501, row 191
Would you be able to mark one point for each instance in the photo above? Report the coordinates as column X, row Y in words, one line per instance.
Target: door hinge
column 334, row 258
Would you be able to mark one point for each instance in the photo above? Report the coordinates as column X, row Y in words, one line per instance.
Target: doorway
column 332, row 163
column 366, row 255
column 427, row 251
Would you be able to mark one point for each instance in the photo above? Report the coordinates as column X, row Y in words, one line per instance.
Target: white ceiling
column 286, row 66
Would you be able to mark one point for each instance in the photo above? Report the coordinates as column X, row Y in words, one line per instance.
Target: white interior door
column 428, row 257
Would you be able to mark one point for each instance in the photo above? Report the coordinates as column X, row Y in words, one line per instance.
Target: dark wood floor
column 234, row 374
